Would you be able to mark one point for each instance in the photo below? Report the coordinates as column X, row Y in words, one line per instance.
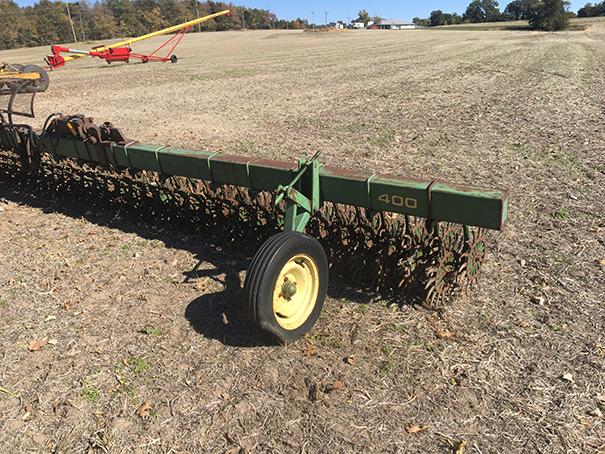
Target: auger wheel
column 286, row 286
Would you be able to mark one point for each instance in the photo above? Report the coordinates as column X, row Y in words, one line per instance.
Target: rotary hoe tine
column 394, row 254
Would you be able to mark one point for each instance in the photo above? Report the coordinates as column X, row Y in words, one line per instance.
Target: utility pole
column 82, row 25
column 71, row 22
column 326, row 19
column 313, row 19
column 197, row 11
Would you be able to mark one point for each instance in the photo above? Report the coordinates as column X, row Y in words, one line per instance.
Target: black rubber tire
column 44, row 80
column 174, row 59
column 263, row 273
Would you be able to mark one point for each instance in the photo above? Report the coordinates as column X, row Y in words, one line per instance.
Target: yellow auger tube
column 165, row 31
column 8, row 72
column 20, row 76
column 174, row 28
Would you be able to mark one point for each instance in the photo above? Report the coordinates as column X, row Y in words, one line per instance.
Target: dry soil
column 136, row 313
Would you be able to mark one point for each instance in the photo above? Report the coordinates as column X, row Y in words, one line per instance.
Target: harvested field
column 136, row 313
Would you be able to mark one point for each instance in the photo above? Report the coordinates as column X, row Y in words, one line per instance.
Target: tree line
column 592, row 10
column 541, row 14
column 48, row 22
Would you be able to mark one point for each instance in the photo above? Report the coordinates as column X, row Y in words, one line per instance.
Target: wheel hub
column 295, row 291
column 288, row 289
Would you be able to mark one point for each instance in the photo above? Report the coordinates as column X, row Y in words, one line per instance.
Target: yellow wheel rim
column 295, row 292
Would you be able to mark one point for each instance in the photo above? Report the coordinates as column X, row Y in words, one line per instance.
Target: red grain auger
column 122, row 52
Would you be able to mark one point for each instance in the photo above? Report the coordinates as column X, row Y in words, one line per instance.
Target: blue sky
column 347, row 9
column 343, row 9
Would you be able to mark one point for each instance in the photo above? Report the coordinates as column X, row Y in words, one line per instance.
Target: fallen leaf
column 50, row 318
column 52, row 342
column 524, row 323
column 144, row 410
column 601, row 262
column 311, row 350
column 349, row 359
column 443, row 333
column 597, row 413
column 460, row 447
column 37, row 345
column 601, row 397
column 416, row 428
column 568, row 377
column 201, row 285
column 336, row 386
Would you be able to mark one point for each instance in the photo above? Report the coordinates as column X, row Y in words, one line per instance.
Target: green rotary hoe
column 417, row 239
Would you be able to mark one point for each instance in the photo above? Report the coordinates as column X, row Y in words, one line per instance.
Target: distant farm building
column 394, row 24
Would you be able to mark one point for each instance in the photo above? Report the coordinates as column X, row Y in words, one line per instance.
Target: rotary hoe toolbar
column 420, row 239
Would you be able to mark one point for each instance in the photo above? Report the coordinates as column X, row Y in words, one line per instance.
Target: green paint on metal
column 302, row 195
column 304, row 187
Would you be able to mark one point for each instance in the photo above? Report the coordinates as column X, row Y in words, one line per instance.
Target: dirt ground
column 136, row 317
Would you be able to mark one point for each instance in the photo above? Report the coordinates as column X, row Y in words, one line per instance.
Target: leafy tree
column 549, row 15
column 364, row 16
column 422, row 22
column 437, row 18
column 51, row 21
column 590, row 10
column 102, row 24
column 128, row 18
column 9, row 18
column 483, row 11
column 152, row 19
column 474, row 12
column 519, row 9
column 452, row 19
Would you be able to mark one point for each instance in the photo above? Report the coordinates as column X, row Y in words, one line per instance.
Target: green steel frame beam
column 305, row 186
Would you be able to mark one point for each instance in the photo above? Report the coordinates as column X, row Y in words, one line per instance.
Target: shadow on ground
column 214, row 315
column 217, row 315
